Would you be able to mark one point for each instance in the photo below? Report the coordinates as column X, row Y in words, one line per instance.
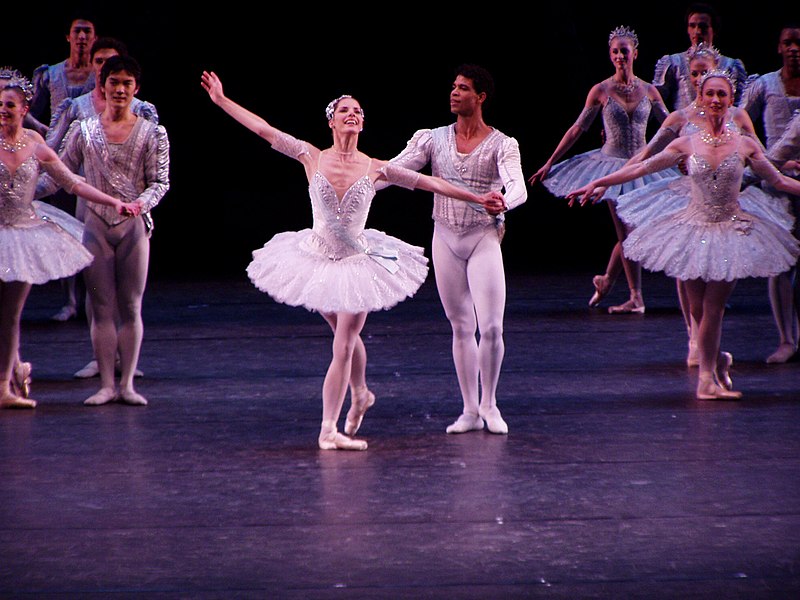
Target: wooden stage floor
column 614, row 482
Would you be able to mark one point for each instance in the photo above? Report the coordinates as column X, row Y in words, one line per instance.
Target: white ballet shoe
column 464, row 423
column 782, row 354
column 66, row 313
column 93, row 370
column 9, row 400
column 494, row 420
column 132, row 398
column 104, row 396
column 87, row 372
column 359, row 403
column 724, row 363
column 330, row 439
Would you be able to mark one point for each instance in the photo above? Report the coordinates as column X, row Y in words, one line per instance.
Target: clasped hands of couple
column 129, row 209
column 494, row 203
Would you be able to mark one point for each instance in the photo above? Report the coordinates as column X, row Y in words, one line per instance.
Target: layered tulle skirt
column 575, row 172
column 292, row 270
column 40, row 251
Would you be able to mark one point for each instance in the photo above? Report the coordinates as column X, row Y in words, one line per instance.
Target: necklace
column 21, row 143
column 716, row 140
column 626, row 89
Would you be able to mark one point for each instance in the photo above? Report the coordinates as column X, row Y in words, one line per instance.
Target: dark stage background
column 230, row 192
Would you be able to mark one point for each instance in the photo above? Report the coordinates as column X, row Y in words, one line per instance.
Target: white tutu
column 66, row 221
column 292, row 270
column 685, row 247
column 39, row 253
column 670, row 196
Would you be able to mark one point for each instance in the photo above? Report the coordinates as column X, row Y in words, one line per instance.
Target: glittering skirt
column 575, row 172
column 40, row 252
column 685, row 246
column 670, row 196
column 291, row 270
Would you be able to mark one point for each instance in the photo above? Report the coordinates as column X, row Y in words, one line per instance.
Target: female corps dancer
column 626, row 103
column 712, row 242
column 32, row 250
column 671, row 195
column 338, row 268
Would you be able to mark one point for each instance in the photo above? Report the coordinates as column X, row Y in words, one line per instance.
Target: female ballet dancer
column 671, row 195
column 32, row 250
column 338, row 268
column 626, row 103
column 712, row 242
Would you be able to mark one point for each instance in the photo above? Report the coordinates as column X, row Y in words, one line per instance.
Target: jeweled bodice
column 715, row 191
column 339, row 223
column 16, row 193
column 625, row 133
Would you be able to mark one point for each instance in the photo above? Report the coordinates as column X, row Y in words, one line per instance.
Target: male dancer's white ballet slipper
column 132, row 398
column 724, row 363
column 359, row 403
column 464, row 423
column 330, row 439
column 104, row 396
column 494, row 420
column 90, row 370
column 66, row 313
column 782, row 354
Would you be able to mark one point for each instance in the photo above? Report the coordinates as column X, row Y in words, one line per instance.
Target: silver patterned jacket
column 493, row 166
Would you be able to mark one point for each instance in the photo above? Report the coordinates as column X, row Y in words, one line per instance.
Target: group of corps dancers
column 678, row 204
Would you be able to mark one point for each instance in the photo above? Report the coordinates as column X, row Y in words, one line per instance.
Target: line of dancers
column 702, row 202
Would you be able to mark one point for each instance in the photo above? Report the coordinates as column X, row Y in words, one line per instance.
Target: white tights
column 115, row 282
column 348, row 363
column 472, row 287
column 12, row 300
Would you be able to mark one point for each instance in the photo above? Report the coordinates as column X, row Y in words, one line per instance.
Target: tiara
column 720, row 73
column 15, row 79
column 704, row 50
column 624, row 32
column 332, row 106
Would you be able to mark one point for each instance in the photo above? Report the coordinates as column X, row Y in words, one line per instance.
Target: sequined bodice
column 715, row 192
column 625, row 133
column 16, row 193
column 339, row 223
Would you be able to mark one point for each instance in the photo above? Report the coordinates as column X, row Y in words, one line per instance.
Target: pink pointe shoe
column 708, row 389
column 602, row 286
column 359, row 403
column 330, row 439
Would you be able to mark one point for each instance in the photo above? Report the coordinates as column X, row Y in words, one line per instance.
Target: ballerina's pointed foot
column 724, row 364
column 9, row 400
column 21, row 378
column 708, row 389
column 466, row 422
column 631, row 307
column 104, row 396
column 782, row 354
column 494, row 420
column 330, row 439
column 359, row 404
column 602, row 286
column 132, row 398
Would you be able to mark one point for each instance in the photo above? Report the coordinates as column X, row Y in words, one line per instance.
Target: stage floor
column 614, row 482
